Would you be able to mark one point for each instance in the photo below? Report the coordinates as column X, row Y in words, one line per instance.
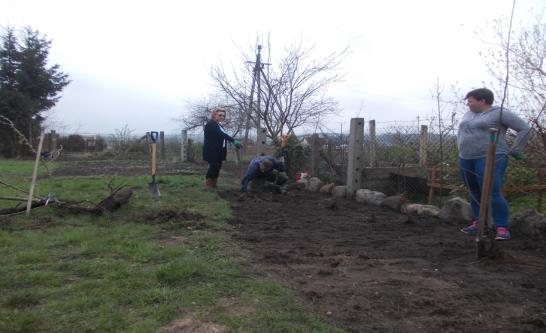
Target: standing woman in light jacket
column 473, row 142
column 215, row 146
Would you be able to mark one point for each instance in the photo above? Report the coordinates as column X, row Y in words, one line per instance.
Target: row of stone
column 454, row 209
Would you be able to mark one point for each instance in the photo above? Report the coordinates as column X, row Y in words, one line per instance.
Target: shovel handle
column 154, row 166
column 487, row 182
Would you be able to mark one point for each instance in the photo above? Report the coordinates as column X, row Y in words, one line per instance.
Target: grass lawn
column 135, row 270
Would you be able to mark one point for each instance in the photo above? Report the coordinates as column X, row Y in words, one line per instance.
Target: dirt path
column 373, row 270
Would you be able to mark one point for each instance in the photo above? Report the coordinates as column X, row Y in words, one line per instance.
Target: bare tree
column 443, row 120
column 527, row 75
column 293, row 91
column 122, row 139
column 200, row 111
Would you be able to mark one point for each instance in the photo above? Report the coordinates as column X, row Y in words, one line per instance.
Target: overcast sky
column 136, row 63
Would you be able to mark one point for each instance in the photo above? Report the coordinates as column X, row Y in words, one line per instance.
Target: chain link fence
column 410, row 158
column 417, row 160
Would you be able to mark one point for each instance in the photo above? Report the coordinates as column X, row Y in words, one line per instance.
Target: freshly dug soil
column 374, row 270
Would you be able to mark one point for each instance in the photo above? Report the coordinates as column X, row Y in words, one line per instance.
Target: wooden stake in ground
column 35, row 172
column 485, row 198
column 153, row 186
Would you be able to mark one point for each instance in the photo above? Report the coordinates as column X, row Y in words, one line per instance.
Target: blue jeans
column 472, row 174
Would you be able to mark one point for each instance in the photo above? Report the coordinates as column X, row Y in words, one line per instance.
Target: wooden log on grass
column 111, row 203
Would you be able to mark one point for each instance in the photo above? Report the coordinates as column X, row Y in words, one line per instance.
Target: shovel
column 485, row 245
column 153, row 187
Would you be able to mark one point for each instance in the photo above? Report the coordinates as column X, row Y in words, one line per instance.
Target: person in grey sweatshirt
column 473, row 141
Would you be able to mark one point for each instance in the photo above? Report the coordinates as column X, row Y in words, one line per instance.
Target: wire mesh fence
column 410, row 158
column 419, row 161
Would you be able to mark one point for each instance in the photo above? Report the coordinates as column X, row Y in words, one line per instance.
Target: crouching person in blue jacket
column 264, row 173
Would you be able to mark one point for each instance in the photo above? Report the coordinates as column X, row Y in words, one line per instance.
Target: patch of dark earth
column 174, row 219
column 369, row 269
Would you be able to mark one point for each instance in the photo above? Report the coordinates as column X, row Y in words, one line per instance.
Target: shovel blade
column 481, row 250
column 487, row 247
column 153, row 187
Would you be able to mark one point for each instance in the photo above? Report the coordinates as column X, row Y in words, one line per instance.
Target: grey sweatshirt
column 473, row 136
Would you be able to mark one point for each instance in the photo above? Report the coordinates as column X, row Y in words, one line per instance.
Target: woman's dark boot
column 209, row 184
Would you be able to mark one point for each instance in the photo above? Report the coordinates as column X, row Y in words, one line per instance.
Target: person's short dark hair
column 481, row 94
column 267, row 164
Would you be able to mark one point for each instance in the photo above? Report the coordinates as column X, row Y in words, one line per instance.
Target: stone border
column 453, row 210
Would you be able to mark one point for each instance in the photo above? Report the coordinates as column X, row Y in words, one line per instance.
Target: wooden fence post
column 162, row 144
column 149, row 142
column 354, row 171
column 52, row 141
column 423, row 146
column 184, row 146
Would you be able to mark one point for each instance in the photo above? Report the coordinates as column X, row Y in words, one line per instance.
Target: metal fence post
column 354, row 171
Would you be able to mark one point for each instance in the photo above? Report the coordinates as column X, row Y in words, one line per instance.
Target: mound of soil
column 374, row 270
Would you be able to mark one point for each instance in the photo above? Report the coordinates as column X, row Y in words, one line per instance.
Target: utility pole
column 260, row 133
column 256, row 82
column 257, row 72
column 257, row 76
